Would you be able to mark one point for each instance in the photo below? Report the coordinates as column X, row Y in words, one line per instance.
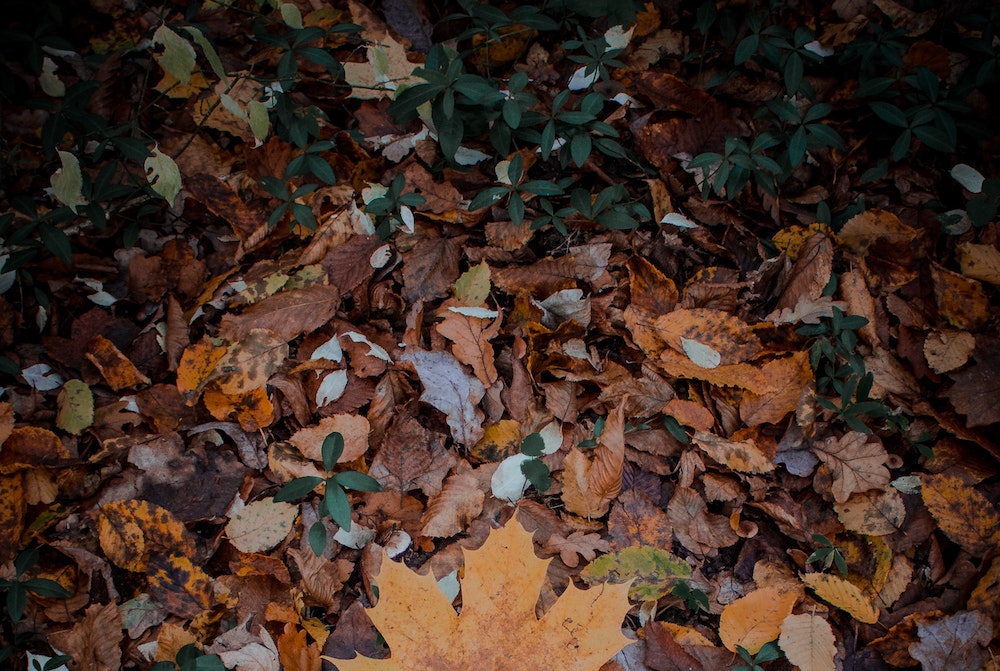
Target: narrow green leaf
column 297, row 488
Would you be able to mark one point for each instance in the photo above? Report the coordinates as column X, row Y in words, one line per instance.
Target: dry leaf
column 948, row 349
column 856, row 464
column 955, row 643
column 592, row 481
column 808, row 642
column 451, row 390
column 967, row 517
column 844, row 595
column 580, row 632
column 873, row 513
column 755, row 619
column 743, row 456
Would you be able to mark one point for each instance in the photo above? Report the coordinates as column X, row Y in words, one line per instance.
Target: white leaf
column 375, row 350
column 450, row 585
column 41, row 377
column 331, row 388
column 679, row 220
column 451, row 390
column 466, row 156
column 481, row 313
column 552, row 437
column 701, row 355
column 970, row 178
column 617, row 37
column 356, row 537
column 581, row 80
column 508, row 482
column 380, row 257
column 399, row 541
column 330, row 350
column 50, row 83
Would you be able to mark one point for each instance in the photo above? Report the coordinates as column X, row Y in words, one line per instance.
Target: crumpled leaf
column 580, row 632
column 451, row 390
column 855, row 463
column 955, row 643
column 592, row 481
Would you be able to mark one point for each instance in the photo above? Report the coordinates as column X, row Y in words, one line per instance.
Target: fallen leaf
column 261, row 525
column 844, row 595
column 287, row 313
column 755, row 619
column 966, row 516
column 94, row 643
column 580, row 632
column 451, row 390
column 948, row 349
column 592, row 481
column 743, row 456
column 651, row 572
column 808, row 642
column 131, row 532
column 873, row 513
column 577, row 544
column 855, row 463
column 955, row 643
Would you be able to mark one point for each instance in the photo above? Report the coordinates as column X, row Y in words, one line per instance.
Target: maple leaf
column 580, row 632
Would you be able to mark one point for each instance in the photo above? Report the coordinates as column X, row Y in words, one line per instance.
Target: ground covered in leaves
column 702, row 295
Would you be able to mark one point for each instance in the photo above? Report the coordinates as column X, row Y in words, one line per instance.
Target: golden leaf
column 580, row 632
column 842, row 594
column 743, row 456
column 967, row 517
column 755, row 619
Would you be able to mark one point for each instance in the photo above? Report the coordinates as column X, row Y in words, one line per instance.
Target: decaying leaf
column 964, row 515
column 652, row 572
column 842, row 594
column 580, row 632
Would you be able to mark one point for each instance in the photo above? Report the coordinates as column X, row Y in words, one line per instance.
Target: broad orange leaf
column 755, row 619
column 842, row 594
column 964, row 515
column 498, row 628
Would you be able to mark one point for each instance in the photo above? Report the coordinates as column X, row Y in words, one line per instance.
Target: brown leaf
column 955, row 643
column 287, row 313
column 94, row 643
column 577, row 544
column 966, row 516
column 810, row 274
column 635, row 520
column 354, row 429
column 130, row 532
column 980, row 262
column 471, row 337
column 411, row 457
column 856, row 464
column 664, row 653
column 431, row 268
column 697, row 529
column 977, row 388
column 294, row 653
column 591, row 482
column 873, row 513
column 248, row 363
column 183, row 588
column 727, row 336
column 117, row 370
column 743, row 456
column 791, row 375
column 460, row 502
column 808, row 642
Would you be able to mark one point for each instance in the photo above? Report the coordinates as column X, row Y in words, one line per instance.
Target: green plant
column 768, row 652
column 513, row 189
column 15, row 592
column 574, row 133
column 800, row 132
column 840, row 369
column 693, row 598
column 191, row 658
column 779, row 49
column 598, row 56
column 827, row 554
column 729, row 172
column 335, row 502
column 588, row 443
column 391, row 206
column 534, row 469
column 300, row 212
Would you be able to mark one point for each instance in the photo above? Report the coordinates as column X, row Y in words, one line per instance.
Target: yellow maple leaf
column 498, row 628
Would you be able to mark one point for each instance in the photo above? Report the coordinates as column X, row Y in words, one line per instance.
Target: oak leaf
column 856, row 464
column 498, row 628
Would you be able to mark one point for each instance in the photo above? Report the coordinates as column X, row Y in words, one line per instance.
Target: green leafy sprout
column 335, row 502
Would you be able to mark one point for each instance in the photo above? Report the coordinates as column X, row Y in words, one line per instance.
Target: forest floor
column 704, row 295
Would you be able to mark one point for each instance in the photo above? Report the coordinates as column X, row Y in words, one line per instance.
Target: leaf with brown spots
column 248, row 363
column 966, row 516
column 183, row 588
column 130, row 532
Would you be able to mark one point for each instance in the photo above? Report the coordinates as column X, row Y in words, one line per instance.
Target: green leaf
column 46, row 587
column 515, row 208
column 537, row 474
column 487, row 197
column 55, row 241
column 67, row 181
column 655, row 571
column 17, row 597
column 213, row 58
column 178, row 55
column 337, row 505
column 533, row 445
column 163, row 175
column 317, row 538
column 889, row 113
column 332, row 450
column 357, row 481
column 541, row 188
column 297, row 488
column 746, row 48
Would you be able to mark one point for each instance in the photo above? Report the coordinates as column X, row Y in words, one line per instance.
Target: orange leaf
column 503, row 578
column 197, row 365
column 253, row 409
column 293, row 652
column 755, row 619
column 183, row 588
column 471, row 342
column 743, row 456
column 115, row 368
column 590, row 484
column 842, row 594
column 130, row 531
column 967, row 517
